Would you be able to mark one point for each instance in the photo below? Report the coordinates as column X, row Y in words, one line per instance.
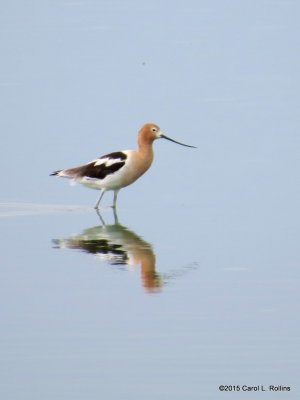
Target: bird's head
column 151, row 132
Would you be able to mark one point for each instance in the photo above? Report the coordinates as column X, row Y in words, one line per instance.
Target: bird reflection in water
column 117, row 245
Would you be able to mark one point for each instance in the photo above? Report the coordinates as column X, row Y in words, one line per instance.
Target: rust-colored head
column 149, row 132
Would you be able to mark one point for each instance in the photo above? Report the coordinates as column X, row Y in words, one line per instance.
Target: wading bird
column 120, row 169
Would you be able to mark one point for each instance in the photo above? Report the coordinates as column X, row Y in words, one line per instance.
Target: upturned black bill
column 175, row 141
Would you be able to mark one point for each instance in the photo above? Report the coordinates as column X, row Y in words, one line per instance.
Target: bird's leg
column 100, row 197
column 116, row 216
column 100, row 217
column 115, row 198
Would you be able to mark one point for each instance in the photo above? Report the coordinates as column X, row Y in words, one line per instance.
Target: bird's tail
column 55, row 173
column 66, row 173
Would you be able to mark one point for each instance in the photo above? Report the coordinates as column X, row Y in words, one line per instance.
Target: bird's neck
column 145, row 146
column 145, row 153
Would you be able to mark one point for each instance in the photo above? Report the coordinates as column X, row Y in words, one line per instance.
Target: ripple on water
column 17, row 209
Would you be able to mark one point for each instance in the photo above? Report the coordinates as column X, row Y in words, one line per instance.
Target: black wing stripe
column 101, row 171
column 116, row 155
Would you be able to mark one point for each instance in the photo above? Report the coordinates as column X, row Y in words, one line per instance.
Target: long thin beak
column 175, row 141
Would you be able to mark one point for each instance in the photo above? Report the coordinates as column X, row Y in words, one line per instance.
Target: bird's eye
column 153, row 129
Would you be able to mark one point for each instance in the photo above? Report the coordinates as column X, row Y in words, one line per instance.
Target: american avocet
column 120, row 169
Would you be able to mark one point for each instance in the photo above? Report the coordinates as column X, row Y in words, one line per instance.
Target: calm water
column 195, row 283
column 162, row 308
